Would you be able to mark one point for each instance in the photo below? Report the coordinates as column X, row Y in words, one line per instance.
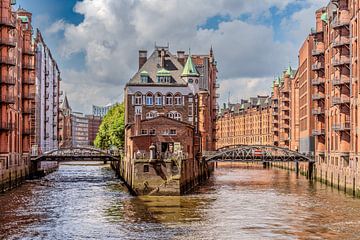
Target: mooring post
column 297, row 168
column 310, row 170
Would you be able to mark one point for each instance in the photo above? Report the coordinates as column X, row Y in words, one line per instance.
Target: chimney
column 162, row 56
column 181, row 57
column 142, row 58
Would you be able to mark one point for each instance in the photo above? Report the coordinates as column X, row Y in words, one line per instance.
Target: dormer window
column 163, row 76
column 144, row 75
column 190, row 80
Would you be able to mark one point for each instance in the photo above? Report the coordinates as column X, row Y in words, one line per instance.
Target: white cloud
column 114, row 30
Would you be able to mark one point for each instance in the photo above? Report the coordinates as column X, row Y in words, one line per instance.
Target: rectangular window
column 172, row 131
column 158, row 100
column 190, row 110
column 146, row 168
column 149, row 100
column 152, row 132
column 144, row 132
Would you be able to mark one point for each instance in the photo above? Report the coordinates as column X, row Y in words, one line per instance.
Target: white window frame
column 149, row 99
column 169, row 99
column 158, row 99
column 138, row 99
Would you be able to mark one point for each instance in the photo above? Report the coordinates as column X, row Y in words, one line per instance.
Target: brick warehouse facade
column 17, row 89
column 316, row 108
column 170, row 111
column 248, row 122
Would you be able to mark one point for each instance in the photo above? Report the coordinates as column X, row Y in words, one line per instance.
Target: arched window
column 178, row 99
column 151, row 114
column 174, row 115
column 138, row 99
column 170, row 115
column 177, row 116
column 158, row 99
column 169, row 99
column 149, row 99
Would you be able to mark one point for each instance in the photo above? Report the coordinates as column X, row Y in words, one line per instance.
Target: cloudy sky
column 96, row 42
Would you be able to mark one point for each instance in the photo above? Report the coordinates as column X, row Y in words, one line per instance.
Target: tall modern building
column 47, row 97
column 17, row 93
column 80, row 131
column 98, row 111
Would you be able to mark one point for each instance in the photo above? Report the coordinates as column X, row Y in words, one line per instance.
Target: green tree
column 112, row 129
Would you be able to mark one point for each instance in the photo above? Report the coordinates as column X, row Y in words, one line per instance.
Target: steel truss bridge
column 255, row 153
column 78, row 154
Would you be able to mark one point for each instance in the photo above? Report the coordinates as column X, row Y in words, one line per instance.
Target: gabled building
column 169, row 89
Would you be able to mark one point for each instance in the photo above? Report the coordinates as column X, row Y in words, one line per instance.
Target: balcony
column 340, row 100
column 28, row 131
column 340, row 62
column 317, row 66
column 315, row 31
column 318, row 96
column 29, row 51
column 216, row 85
column 285, row 108
column 7, row 22
column 28, row 110
column 317, row 111
column 341, row 127
column 286, row 117
column 4, row 126
column 340, row 42
column 8, row 80
column 317, row 52
column 275, row 113
column 317, row 81
column 7, row 99
column 8, row 61
column 28, row 96
column 340, row 81
column 8, row 41
column 339, row 24
column 29, row 81
column 29, row 66
column 318, row 132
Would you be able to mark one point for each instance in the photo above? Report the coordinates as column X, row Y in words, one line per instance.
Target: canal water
column 87, row 202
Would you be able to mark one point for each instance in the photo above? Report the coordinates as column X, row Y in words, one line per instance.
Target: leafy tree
column 112, row 129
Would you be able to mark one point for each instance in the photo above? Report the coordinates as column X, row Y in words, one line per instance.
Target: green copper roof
column 144, row 73
column 242, row 106
column 258, row 102
column 24, row 19
column 189, row 69
column 267, row 101
column 163, row 73
column 324, row 17
column 278, row 81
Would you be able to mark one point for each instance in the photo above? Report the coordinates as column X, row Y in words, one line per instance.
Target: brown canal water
column 87, row 202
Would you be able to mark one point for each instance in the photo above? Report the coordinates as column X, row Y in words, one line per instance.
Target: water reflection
column 88, row 202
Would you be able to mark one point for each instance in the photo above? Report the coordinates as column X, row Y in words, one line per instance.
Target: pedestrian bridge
column 78, row 154
column 255, row 153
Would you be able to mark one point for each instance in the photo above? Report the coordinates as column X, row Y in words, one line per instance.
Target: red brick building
column 17, row 93
column 170, row 109
column 94, row 123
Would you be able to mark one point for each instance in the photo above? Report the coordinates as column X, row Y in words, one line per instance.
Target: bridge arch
column 252, row 153
column 78, row 153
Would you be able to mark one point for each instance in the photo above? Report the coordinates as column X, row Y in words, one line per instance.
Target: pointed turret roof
column 65, row 104
column 189, row 69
